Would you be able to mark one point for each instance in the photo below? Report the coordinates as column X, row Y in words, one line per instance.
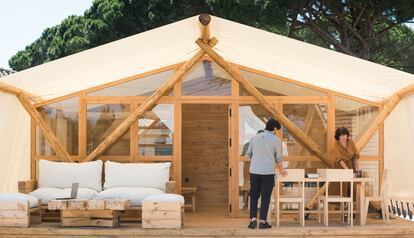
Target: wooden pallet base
column 102, row 218
column 18, row 214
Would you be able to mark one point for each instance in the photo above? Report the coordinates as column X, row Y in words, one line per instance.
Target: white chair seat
column 339, row 176
column 297, row 178
column 290, row 199
column 337, row 199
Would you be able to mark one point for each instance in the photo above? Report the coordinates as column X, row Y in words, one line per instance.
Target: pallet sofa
column 98, row 180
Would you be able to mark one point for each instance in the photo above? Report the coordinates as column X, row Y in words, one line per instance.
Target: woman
column 344, row 151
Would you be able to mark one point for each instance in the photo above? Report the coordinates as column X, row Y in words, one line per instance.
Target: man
column 265, row 153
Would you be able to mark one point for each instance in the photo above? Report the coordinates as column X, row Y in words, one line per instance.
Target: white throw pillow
column 145, row 175
column 62, row 175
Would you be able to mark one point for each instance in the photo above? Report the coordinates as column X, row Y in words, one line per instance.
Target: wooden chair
column 341, row 176
column 382, row 198
column 296, row 176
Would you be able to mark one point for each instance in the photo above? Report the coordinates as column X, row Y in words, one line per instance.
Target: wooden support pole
column 298, row 134
column 204, row 27
column 47, row 132
column 148, row 104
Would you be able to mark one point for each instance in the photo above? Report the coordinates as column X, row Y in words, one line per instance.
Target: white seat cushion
column 33, row 201
column 62, row 175
column 166, row 197
column 134, row 194
column 141, row 175
column 47, row 194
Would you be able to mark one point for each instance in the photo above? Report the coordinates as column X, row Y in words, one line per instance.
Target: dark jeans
column 261, row 186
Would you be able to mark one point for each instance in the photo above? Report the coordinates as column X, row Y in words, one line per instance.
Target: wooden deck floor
column 213, row 222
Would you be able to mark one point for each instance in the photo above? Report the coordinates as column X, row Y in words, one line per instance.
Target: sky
column 23, row 21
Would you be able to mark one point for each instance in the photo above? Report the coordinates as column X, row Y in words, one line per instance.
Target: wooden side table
column 190, row 191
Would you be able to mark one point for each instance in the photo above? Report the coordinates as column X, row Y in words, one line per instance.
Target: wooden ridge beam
column 298, row 134
column 148, row 104
column 47, row 132
column 390, row 104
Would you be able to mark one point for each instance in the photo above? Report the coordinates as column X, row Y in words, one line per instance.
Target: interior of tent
column 203, row 122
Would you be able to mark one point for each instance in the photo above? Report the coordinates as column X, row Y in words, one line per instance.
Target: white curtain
column 15, row 143
column 399, row 148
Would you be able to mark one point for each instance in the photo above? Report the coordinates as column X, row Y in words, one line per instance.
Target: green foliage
column 395, row 49
column 373, row 25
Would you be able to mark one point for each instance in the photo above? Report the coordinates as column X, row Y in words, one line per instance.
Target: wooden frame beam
column 386, row 110
column 298, row 134
column 148, row 104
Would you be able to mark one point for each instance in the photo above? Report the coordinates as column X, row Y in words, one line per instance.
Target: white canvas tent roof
column 175, row 43
column 238, row 43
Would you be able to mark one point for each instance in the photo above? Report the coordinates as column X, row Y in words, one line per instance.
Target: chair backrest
column 384, row 184
column 336, row 175
column 293, row 175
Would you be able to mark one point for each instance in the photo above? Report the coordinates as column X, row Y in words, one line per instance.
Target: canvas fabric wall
column 14, row 143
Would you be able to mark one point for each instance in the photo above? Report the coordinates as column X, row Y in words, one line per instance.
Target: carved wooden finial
column 204, row 19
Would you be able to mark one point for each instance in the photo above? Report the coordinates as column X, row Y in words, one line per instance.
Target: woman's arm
column 356, row 164
column 343, row 165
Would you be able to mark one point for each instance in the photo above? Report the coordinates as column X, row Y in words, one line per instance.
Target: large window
column 311, row 119
column 102, row 119
column 145, row 86
column 62, row 118
column 206, row 79
column 357, row 117
column 155, row 131
column 274, row 87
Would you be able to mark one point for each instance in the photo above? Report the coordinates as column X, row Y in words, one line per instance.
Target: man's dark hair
column 271, row 124
column 341, row 131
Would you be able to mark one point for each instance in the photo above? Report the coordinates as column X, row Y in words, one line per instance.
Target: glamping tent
column 193, row 92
